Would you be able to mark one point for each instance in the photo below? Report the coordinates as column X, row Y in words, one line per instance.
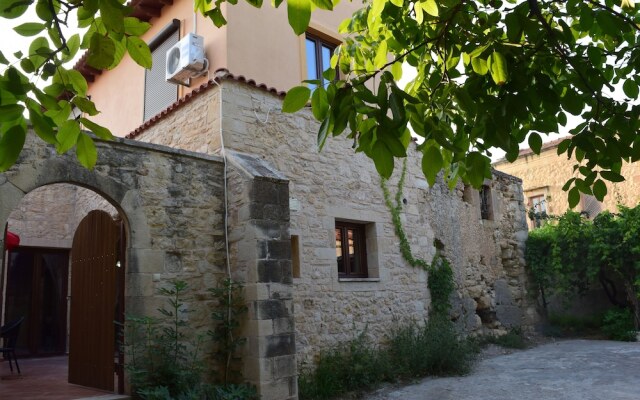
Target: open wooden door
column 94, row 301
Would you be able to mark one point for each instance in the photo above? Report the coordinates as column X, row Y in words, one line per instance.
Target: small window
column 158, row 93
column 539, row 204
column 318, row 55
column 351, row 252
column 486, row 210
column 295, row 256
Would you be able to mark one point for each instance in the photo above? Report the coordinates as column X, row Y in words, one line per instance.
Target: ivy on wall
column 440, row 274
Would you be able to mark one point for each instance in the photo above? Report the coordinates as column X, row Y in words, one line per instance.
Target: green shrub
column 413, row 351
column 617, row 324
column 566, row 325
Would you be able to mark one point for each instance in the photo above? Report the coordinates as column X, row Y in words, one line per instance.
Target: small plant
column 566, row 325
column 617, row 324
column 161, row 361
column 226, row 335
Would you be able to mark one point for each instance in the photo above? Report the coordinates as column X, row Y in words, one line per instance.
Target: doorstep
column 107, row 397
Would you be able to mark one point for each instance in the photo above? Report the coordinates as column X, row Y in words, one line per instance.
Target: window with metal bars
column 351, row 251
column 318, row 56
column 158, row 93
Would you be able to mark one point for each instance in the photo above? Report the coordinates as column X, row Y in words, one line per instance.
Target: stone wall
column 172, row 204
column 49, row 215
column 546, row 174
column 338, row 184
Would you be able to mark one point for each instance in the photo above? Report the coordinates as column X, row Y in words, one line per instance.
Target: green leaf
column 599, row 189
column 73, row 44
column 11, row 144
column 324, row 4
column 43, row 126
column 101, row 51
column 383, row 159
column 86, row 151
column 139, row 51
column 498, row 67
column 396, row 70
column 112, row 17
column 255, row 3
column 535, row 142
column 319, row 103
column 133, row 26
column 27, row 66
column 85, row 105
column 78, row 82
column 3, row 59
column 13, row 8
column 98, row 130
column 563, row 146
column 432, row 163
column 479, row 66
column 299, row 15
column 323, row 133
column 67, row 136
column 10, row 112
column 295, row 99
column 216, row 16
column 574, row 197
column 630, row 89
column 29, row 28
column 430, row 7
column 612, row 176
column 397, row 3
column 60, row 115
column 38, row 50
column 381, row 55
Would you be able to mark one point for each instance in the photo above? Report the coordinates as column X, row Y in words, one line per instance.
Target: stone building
column 544, row 175
column 308, row 232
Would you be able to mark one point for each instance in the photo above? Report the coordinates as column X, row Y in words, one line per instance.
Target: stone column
column 261, row 252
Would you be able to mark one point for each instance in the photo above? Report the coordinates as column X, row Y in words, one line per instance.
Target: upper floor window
column 318, row 56
column 351, row 252
column 158, row 93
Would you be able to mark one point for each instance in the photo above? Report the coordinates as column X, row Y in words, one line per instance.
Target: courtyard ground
column 561, row 370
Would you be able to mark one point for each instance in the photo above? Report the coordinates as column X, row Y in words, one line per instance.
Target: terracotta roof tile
column 220, row 75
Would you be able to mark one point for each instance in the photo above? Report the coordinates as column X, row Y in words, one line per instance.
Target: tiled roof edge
column 220, row 75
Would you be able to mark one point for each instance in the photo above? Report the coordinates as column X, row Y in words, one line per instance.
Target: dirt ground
column 561, row 370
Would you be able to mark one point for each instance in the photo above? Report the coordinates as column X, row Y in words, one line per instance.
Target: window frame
column 360, row 244
column 319, row 42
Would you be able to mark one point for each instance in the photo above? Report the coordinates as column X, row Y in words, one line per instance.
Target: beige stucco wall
column 337, row 183
column 546, row 174
column 256, row 43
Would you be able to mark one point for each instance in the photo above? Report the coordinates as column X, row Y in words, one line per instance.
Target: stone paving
column 43, row 378
column 562, row 370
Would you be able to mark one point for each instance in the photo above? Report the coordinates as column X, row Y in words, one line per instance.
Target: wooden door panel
column 93, row 301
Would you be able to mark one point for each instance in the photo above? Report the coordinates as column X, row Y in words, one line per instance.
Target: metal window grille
column 591, row 206
column 158, row 93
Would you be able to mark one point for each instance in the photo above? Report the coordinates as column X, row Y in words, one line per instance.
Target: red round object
column 11, row 241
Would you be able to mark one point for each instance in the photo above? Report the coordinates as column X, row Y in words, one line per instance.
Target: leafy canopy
column 490, row 73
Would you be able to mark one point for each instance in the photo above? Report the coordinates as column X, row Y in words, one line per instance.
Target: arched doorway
column 67, row 280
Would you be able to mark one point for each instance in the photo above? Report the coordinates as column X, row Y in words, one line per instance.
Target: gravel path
column 563, row 370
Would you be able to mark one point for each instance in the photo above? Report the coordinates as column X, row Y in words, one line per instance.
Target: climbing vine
column 440, row 274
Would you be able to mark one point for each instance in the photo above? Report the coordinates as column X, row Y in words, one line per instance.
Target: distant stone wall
column 546, row 174
column 49, row 215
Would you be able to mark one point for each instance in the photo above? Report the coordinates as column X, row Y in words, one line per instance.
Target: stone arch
column 170, row 200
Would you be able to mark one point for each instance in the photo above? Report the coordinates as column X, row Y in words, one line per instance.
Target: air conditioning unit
column 186, row 60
